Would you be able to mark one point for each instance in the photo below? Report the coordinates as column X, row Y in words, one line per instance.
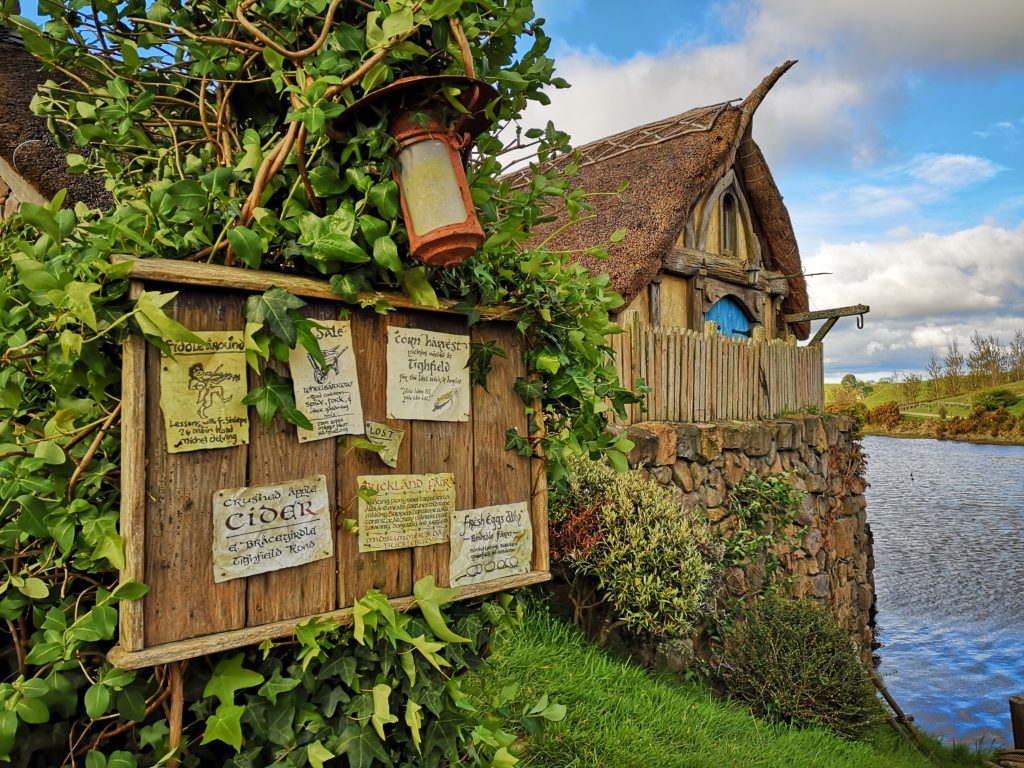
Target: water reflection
column 948, row 523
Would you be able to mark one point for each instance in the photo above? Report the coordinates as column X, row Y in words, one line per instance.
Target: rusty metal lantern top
column 436, row 204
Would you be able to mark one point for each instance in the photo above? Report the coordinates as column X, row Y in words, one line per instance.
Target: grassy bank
column 621, row 715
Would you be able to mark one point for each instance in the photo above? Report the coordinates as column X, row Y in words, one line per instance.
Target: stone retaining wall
column 833, row 561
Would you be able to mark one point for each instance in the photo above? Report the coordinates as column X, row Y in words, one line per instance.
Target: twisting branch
column 296, row 56
column 93, row 447
column 300, row 161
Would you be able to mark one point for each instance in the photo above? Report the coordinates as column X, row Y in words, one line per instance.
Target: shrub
column 994, row 399
column 886, row 415
column 791, row 662
column 627, row 537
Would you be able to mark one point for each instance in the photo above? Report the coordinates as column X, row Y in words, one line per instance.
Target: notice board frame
column 148, row 626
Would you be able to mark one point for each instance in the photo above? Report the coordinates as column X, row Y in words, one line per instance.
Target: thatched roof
column 670, row 165
column 25, row 143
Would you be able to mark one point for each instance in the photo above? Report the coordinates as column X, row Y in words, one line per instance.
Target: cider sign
column 268, row 527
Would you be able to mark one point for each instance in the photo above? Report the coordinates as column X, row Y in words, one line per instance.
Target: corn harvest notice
column 328, row 392
column 399, row 511
column 201, row 392
column 266, row 528
column 428, row 375
column 490, row 543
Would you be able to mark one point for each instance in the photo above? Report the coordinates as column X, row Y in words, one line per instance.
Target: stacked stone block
column 833, row 560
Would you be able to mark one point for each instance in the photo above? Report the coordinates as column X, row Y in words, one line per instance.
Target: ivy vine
column 209, row 124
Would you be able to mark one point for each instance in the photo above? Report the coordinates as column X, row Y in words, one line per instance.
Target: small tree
column 954, row 366
column 934, row 374
column 1015, row 357
column 985, row 360
column 910, row 387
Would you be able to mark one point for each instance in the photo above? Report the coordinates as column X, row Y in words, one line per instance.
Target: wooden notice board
column 166, row 507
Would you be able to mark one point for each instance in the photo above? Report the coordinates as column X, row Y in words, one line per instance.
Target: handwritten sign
column 388, row 438
column 201, row 391
column 404, row 510
column 328, row 394
column 428, row 375
column 269, row 527
column 490, row 543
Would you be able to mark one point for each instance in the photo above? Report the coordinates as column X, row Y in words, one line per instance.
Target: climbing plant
column 210, row 125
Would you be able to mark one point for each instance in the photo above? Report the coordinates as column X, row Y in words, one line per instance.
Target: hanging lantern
column 753, row 272
column 438, row 210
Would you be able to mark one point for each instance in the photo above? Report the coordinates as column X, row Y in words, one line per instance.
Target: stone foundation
column 833, row 562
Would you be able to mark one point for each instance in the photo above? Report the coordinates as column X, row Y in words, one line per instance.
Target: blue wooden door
column 731, row 319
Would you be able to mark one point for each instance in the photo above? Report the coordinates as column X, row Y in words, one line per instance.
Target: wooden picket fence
column 706, row 377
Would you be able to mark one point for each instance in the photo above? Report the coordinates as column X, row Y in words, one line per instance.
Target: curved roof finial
column 750, row 104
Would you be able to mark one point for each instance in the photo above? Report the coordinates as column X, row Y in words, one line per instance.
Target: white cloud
column 978, row 269
column 858, row 60
column 952, row 172
column 923, row 290
column 926, row 33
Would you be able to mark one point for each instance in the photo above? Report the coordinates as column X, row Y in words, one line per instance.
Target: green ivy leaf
column 276, row 395
column 225, row 724
column 430, row 598
column 414, row 283
column 362, row 746
column 130, row 590
column 34, row 588
column 317, row 754
column 385, row 253
column 382, row 709
column 229, row 676
column 384, row 197
column 187, row 195
column 247, row 246
column 40, row 217
column 414, row 720
column 617, row 235
column 273, row 308
column 97, row 700
column 8, row 731
column 33, row 711
column 79, row 302
column 50, row 452
column 153, row 321
column 547, row 362
column 277, row 685
column 441, row 8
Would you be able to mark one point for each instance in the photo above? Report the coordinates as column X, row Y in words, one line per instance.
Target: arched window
column 728, row 224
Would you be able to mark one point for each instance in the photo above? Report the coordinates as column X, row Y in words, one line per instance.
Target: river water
column 948, row 524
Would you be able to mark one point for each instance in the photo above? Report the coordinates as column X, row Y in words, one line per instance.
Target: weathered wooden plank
column 180, row 487
column 501, row 476
column 442, row 446
column 203, row 646
column 391, row 571
column 691, row 377
column 254, row 280
column 133, row 478
column 276, row 455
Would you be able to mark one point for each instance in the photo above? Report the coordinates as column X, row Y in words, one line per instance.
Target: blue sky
column 897, row 141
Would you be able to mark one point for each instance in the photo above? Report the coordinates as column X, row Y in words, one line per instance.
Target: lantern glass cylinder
column 429, row 186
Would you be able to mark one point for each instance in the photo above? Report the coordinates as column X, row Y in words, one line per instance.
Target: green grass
column 623, row 716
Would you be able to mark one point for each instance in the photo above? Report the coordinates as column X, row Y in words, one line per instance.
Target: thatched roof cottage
column 708, row 235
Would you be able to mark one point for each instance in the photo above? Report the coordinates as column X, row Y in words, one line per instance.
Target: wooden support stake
column 1017, row 720
column 176, row 683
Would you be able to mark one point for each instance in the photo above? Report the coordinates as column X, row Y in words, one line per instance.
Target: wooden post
column 176, row 683
column 1017, row 720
